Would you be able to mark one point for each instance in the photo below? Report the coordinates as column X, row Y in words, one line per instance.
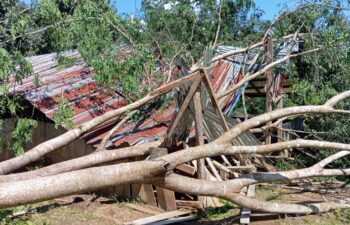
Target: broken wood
column 187, row 169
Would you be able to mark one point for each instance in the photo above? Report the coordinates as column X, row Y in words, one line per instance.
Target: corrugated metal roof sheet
column 88, row 100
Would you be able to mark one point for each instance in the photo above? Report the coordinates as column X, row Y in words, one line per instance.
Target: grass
column 38, row 218
column 343, row 215
column 225, row 211
column 268, row 193
column 7, row 212
column 339, row 217
column 123, row 200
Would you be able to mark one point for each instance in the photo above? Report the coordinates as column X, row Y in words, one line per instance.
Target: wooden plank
column 135, row 190
column 214, row 101
column 176, row 220
column 123, row 190
column 245, row 214
column 187, row 169
column 166, row 199
column 213, row 169
column 147, row 194
column 159, row 217
column 184, row 106
column 145, row 191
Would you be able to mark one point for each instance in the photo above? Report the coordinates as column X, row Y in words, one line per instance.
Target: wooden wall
column 43, row 132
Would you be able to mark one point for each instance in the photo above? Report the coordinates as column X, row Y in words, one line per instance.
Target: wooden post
column 245, row 214
column 166, row 198
column 145, row 192
column 199, row 128
column 280, row 133
column 269, row 82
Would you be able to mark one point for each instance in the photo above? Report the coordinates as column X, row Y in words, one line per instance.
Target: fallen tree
column 48, row 183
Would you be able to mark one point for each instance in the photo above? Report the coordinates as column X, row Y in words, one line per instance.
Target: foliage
column 22, row 134
column 343, row 215
column 134, row 75
column 63, row 114
column 186, row 28
column 283, row 165
column 322, row 74
column 64, row 61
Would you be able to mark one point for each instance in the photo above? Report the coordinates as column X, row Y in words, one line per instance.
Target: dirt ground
column 93, row 210
column 81, row 210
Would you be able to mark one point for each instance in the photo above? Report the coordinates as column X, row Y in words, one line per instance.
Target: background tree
column 324, row 73
column 187, row 28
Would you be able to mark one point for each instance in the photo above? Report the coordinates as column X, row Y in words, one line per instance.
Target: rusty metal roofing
column 88, row 100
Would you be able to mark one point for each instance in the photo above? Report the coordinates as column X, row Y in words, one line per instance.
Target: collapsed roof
column 87, row 99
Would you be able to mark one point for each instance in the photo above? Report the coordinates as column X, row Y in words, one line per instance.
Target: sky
column 270, row 7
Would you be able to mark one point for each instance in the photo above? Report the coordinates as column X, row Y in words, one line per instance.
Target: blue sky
column 271, row 7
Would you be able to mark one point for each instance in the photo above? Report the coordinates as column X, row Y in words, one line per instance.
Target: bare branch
column 116, row 128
